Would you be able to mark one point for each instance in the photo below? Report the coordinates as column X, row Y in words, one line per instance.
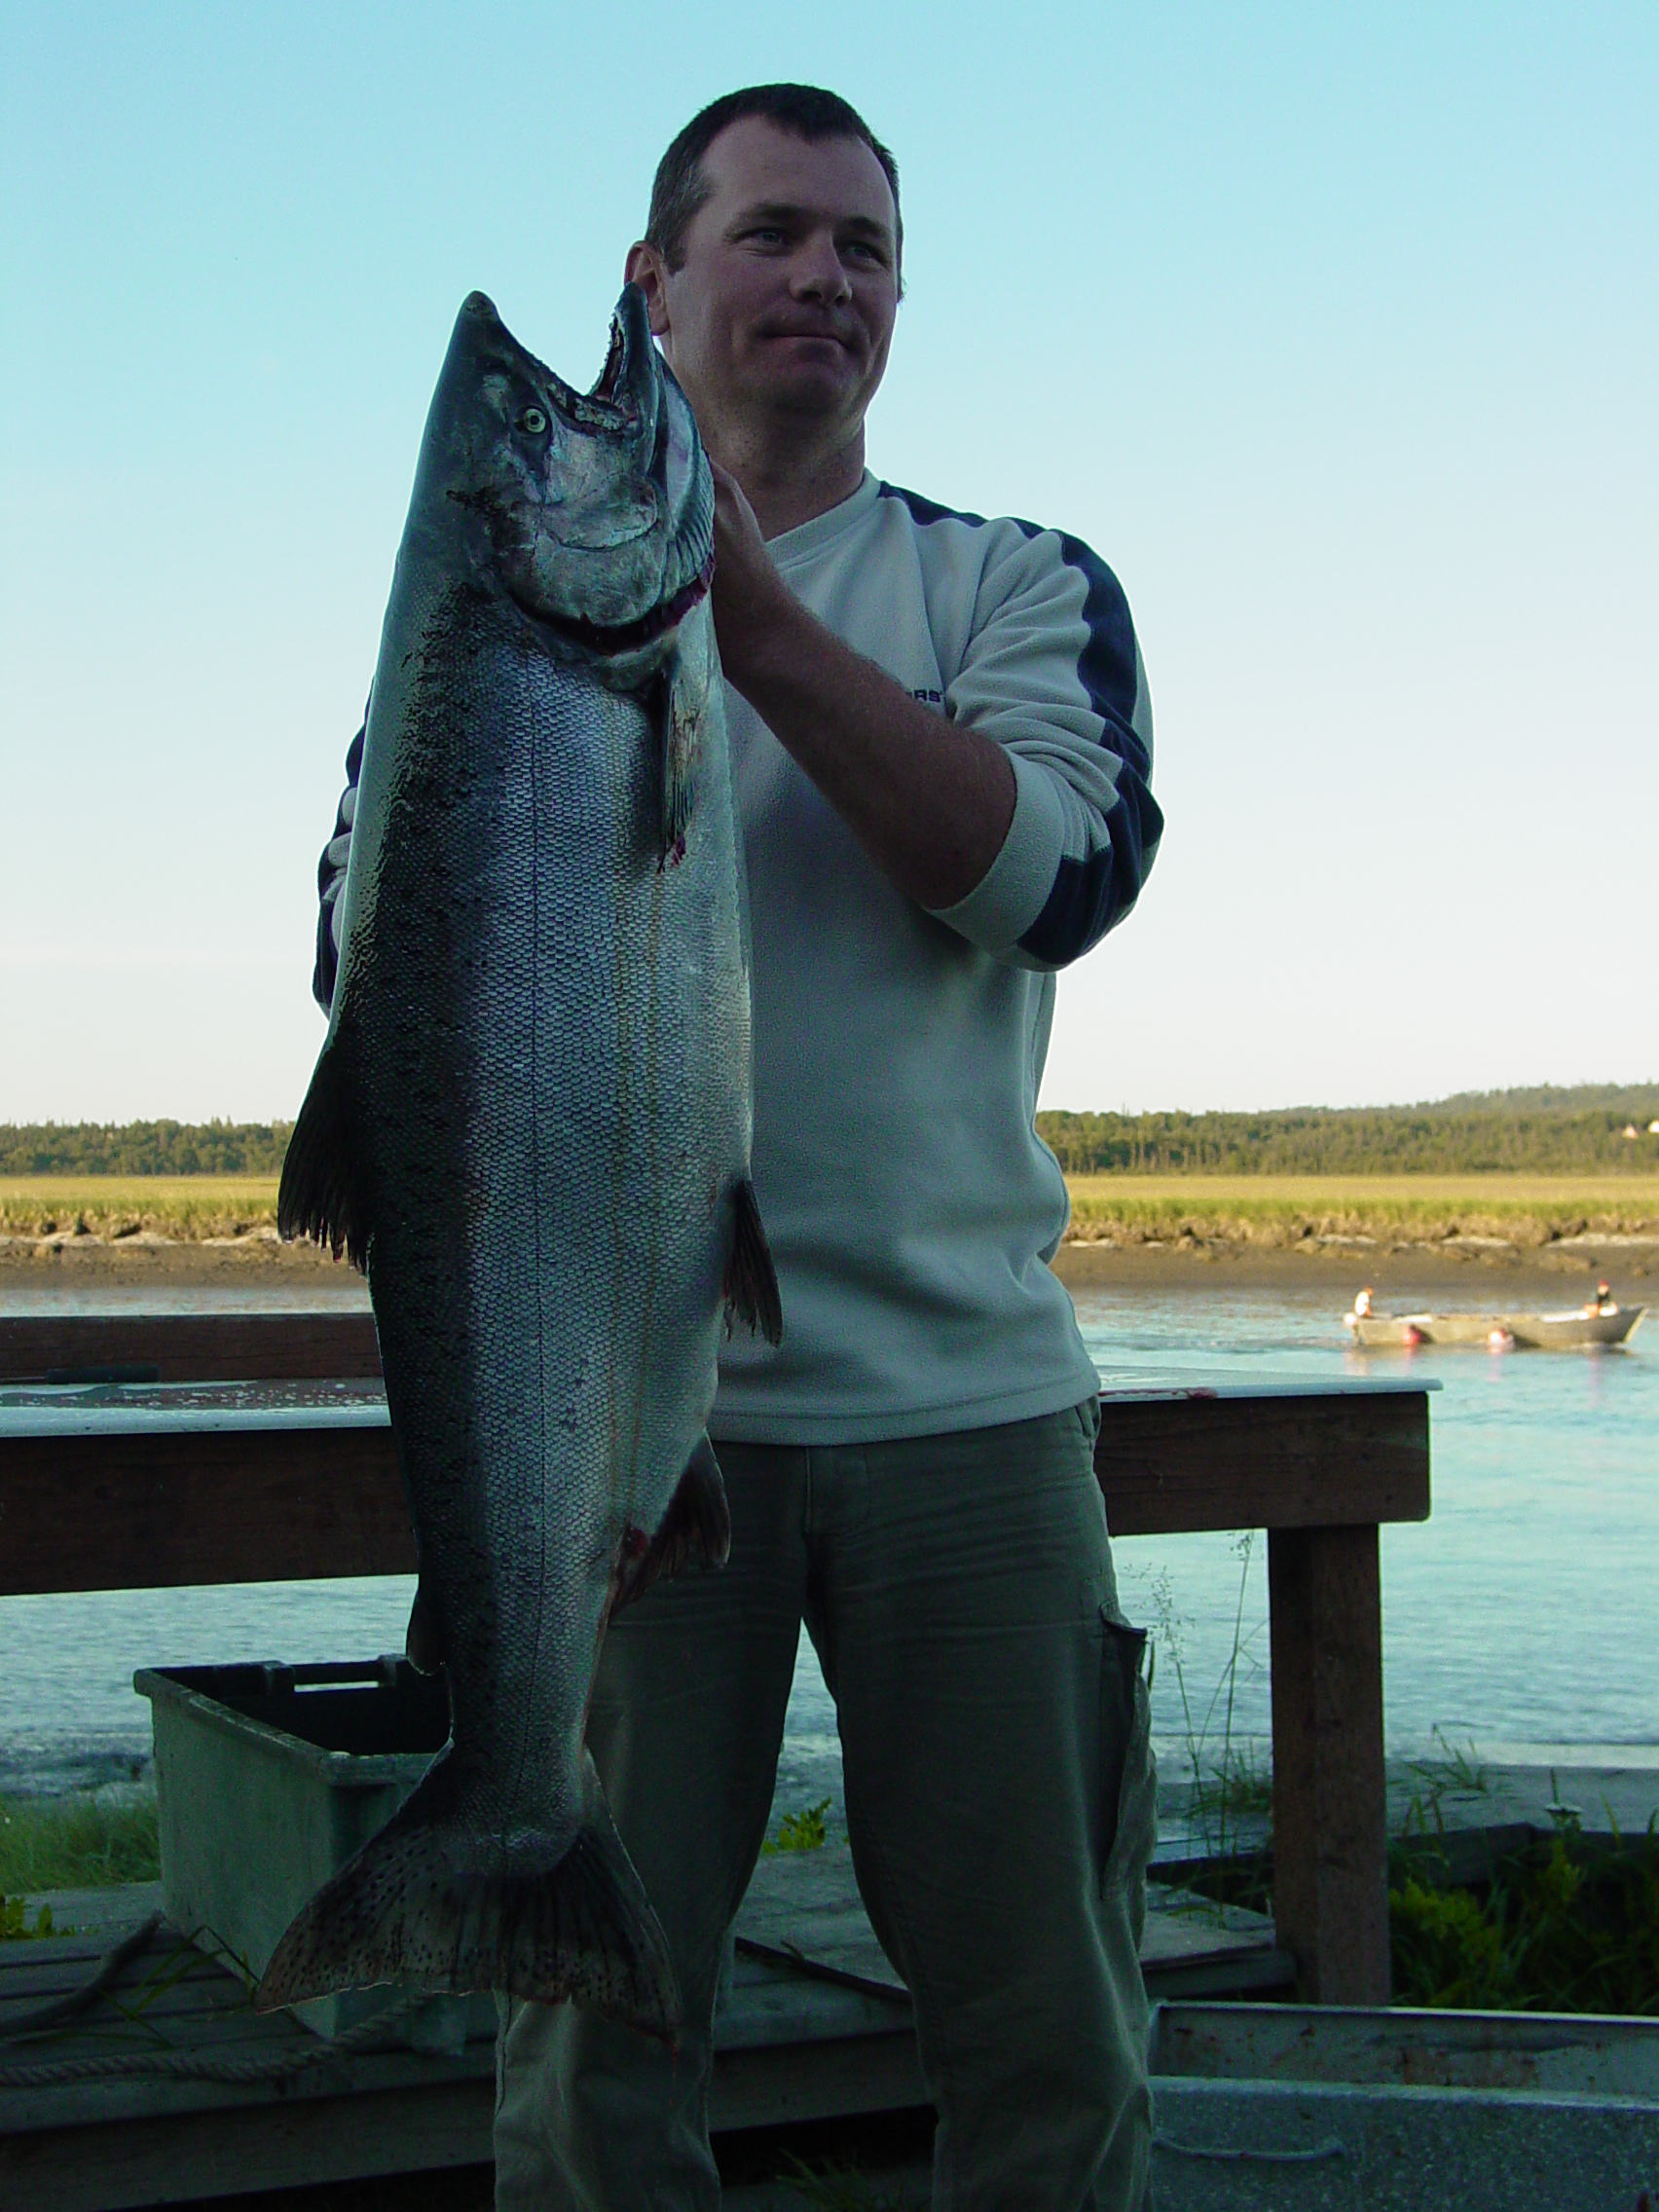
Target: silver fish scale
column 549, row 1044
column 531, row 1120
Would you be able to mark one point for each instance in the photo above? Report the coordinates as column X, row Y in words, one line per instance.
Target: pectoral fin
column 684, row 705
column 322, row 1193
column 751, row 1279
column 698, row 1521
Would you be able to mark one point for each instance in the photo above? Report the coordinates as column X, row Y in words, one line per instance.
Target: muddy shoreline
column 1469, row 1272
column 1473, row 1273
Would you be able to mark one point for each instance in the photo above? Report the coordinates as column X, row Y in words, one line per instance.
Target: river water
column 1519, row 1618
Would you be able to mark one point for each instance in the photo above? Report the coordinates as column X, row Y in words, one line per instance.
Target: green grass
column 1266, row 1211
column 1229, row 1785
column 76, row 1843
column 1234, row 1786
column 185, row 1207
column 805, row 1831
column 1566, row 1925
column 836, row 2188
column 1280, row 1211
column 1452, row 1770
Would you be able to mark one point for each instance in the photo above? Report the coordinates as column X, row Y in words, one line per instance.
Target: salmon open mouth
column 603, row 529
column 609, row 406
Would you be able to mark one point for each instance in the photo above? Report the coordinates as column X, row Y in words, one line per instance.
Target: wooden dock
column 257, row 1449
column 169, row 2086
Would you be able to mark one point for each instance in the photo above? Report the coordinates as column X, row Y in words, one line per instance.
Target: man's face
column 785, row 301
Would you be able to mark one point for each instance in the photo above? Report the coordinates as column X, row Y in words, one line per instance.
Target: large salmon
column 531, row 1123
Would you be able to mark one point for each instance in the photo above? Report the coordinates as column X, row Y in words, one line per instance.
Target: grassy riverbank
column 1259, row 1212
column 1278, row 1212
column 186, row 1209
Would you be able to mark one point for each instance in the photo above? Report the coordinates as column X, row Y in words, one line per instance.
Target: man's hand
column 750, row 597
column 930, row 804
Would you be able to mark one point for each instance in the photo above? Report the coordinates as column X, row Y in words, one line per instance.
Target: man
column 942, row 742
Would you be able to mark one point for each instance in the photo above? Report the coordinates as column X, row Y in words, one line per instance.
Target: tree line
column 143, row 1148
column 1540, row 1131
column 1547, row 1130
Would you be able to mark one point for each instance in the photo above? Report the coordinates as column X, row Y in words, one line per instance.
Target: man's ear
column 644, row 267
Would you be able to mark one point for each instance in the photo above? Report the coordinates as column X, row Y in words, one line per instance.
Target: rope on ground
column 190, row 2065
column 77, row 2000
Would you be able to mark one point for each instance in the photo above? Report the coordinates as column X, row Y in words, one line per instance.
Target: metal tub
column 1280, row 2108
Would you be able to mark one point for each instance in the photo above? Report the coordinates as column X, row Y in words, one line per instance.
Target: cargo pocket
column 1130, row 1774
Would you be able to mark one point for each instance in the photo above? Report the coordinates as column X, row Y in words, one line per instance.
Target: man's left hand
column 751, row 600
column 929, row 801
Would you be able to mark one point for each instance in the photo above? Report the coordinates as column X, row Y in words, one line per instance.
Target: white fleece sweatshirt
column 910, row 1205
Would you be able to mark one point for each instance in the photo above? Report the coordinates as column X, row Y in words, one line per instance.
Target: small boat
column 1579, row 1329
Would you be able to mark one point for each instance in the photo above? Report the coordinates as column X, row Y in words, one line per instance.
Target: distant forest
column 143, row 1148
column 1544, row 1131
column 1547, row 1132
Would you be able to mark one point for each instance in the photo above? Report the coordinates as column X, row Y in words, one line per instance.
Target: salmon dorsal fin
column 698, row 1522
column 751, row 1279
column 321, row 1192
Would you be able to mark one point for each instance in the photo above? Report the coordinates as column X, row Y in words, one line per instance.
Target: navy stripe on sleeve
column 1089, row 895
column 331, row 882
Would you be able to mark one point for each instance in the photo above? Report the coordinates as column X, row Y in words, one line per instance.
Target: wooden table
column 284, row 1477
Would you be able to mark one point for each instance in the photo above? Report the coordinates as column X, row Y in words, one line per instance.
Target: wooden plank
column 809, row 1901
column 787, row 2048
column 194, row 1347
column 277, row 2145
column 1177, row 1464
column 172, row 1977
column 288, row 2142
column 770, row 2087
column 1243, row 1974
column 156, row 1511
column 1330, row 1793
column 116, row 1513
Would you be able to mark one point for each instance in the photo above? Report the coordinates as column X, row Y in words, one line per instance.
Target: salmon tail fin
column 321, row 1193
column 434, row 1899
column 698, row 1521
column 751, row 1279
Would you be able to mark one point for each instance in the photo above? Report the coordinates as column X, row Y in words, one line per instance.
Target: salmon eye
column 534, row 420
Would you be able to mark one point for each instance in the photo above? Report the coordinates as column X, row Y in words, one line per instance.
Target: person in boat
column 1602, row 1302
column 941, row 759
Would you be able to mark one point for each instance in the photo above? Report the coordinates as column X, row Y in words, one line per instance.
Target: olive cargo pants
column 1000, row 1800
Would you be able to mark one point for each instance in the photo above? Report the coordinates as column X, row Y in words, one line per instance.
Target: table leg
column 1330, row 1802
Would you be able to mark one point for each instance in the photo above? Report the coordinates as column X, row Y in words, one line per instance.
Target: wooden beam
column 1173, row 1464
column 154, row 1511
column 194, row 1347
column 277, row 2142
column 151, row 1510
column 1330, row 1797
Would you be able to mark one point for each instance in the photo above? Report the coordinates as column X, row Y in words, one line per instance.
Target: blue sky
column 1334, row 330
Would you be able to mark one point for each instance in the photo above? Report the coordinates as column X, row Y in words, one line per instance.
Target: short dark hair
column 680, row 188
